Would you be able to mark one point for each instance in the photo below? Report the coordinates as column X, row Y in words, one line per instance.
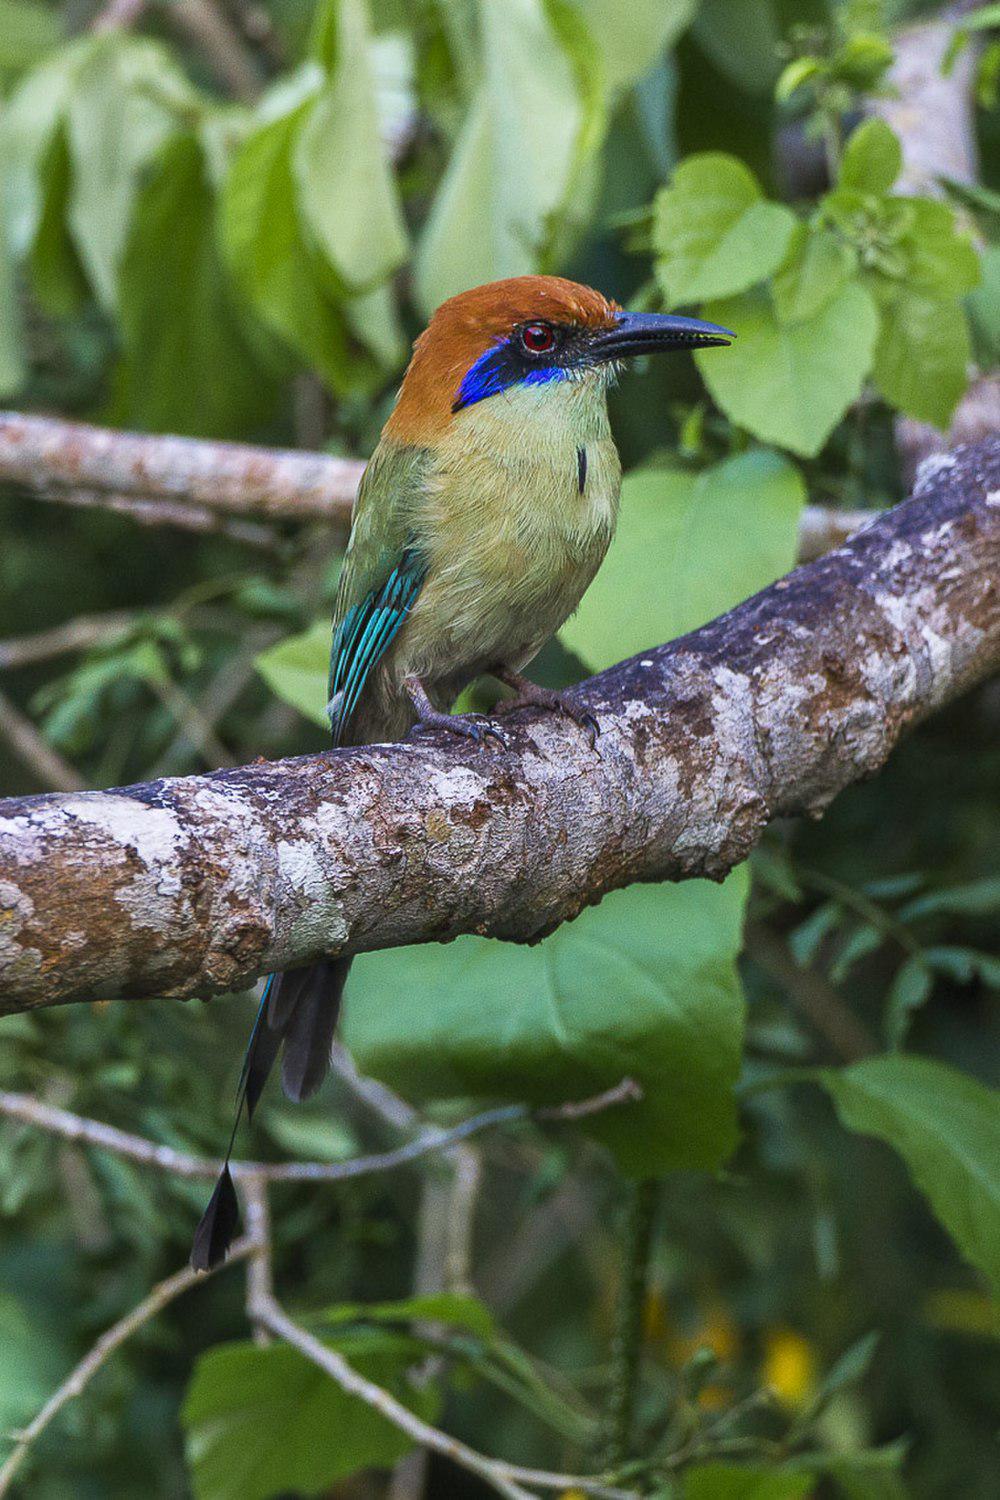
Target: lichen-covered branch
column 159, row 478
column 197, row 885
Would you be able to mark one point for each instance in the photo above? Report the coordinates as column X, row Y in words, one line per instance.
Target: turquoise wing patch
column 366, row 633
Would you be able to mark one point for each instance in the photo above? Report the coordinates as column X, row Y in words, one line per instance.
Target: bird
column 482, row 516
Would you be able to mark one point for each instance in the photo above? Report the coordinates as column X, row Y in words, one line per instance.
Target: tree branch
column 32, row 750
column 196, row 885
column 195, row 485
column 101, row 1351
column 266, row 1315
column 70, row 1127
column 158, row 476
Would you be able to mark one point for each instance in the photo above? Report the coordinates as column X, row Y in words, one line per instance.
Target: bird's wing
column 383, row 574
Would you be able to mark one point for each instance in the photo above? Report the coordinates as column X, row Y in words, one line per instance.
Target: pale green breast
column 511, row 534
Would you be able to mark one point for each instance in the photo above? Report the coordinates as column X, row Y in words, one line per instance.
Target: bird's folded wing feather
column 382, row 576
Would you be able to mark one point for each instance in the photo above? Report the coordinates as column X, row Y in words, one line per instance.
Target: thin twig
column 627, row 1347
column 176, row 513
column 47, row 455
column 160, row 1297
column 196, row 729
column 118, row 15
column 205, row 28
column 79, row 634
column 811, row 995
column 46, row 764
column 505, row 1478
column 71, row 1127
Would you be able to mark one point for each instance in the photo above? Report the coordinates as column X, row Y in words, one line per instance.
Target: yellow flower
column 789, row 1366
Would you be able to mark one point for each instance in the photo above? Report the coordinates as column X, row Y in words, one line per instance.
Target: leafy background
column 240, row 241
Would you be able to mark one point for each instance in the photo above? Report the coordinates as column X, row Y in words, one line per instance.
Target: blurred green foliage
column 239, row 238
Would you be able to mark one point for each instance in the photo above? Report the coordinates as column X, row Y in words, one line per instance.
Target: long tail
column 300, row 1009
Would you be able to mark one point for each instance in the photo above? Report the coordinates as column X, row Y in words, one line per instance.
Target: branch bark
column 209, row 487
column 158, row 477
column 197, row 885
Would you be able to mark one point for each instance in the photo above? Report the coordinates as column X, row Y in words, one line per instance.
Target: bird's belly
column 505, row 575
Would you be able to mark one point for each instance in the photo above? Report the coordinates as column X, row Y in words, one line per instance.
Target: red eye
column 538, row 338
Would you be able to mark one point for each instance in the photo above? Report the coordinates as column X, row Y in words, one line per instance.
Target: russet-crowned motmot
column 484, row 513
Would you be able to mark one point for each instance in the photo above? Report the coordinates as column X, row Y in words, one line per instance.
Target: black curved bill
column 655, row 333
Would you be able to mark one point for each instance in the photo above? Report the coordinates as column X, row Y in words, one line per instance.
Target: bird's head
column 522, row 332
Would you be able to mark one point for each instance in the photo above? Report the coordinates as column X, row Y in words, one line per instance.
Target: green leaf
column 688, row 548
column 28, row 123
column 27, row 32
column 127, row 98
column 983, row 308
column 816, row 267
column 713, row 232
column 790, row 384
column 910, row 989
column 456, row 1309
column 862, row 61
column 261, row 1422
column 516, row 155
column 725, row 1481
column 872, row 160
column 12, row 366
column 947, row 1129
column 297, row 669
column 57, row 276
column 873, row 1475
column 346, row 193
column 32, row 1366
column 984, row 19
column 975, row 898
column 742, row 38
column 268, row 256
column 632, row 37
column 941, row 259
column 964, row 965
column 373, row 319
column 794, row 75
column 846, row 1371
column 179, row 322
column 922, row 354
column 644, row 985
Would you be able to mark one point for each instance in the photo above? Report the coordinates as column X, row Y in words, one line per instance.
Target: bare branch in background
column 101, row 1351
column 266, row 1315
column 932, row 111
column 57, row 459
column 430, row 1138
column 81, row 634
column 197, row 885
column 45, row 764
column 208, row 487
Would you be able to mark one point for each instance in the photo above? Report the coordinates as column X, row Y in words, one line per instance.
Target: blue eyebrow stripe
column 497, row 370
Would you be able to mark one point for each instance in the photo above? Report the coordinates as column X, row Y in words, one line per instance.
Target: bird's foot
column 533, row 695
column 475, row 727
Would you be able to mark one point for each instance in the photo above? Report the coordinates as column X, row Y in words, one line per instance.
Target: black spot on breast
column 581, row 469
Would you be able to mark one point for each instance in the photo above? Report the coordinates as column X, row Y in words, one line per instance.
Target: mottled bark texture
column 196, row 885
column 81, row 464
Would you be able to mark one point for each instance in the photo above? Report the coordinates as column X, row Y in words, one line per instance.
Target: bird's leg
column 469, row 726
column 533, row 694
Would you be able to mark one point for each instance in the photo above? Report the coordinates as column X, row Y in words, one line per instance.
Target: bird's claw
column 478, row 727
column 534, row 696
column 475, row 727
